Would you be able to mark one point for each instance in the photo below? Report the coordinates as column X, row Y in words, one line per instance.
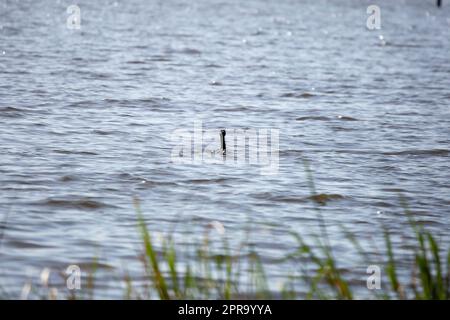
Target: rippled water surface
column 87, row 116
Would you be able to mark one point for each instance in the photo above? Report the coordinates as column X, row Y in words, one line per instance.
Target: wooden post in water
column 223, row 146
column 439, row 2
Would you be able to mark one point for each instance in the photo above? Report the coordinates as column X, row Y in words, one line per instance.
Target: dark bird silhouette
column 223, row 146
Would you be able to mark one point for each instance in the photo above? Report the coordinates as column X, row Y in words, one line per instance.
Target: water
column 87, row 117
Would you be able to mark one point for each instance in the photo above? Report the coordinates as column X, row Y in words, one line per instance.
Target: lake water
column 87, row 117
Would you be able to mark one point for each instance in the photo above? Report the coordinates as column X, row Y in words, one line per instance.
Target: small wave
column 144, row 183
column 287, row 199
column 235, row 109
column 206, row 181
column 102, row 132
column 11, row 112
column 345, row 129
column 323, row 118
column 303, row 95
column 96, row 75
column 11, row 31
column 68, row 178
column 136, row 62
column 10, row 109
column 396, row 190
column 324, row 198
column 315, row 118
column 84, row 153
column 160, row 59
column 213, row 65
column 82, row 103
column 431, row 152
column 25, row 244
column 188, row 51
column 290, row 152
column 347, row 118
column 405, row 45
column 191, row 51
column 94, row 265
column 128, row 102
column 81, row 203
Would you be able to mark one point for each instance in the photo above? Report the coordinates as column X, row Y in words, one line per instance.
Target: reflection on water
column 87, row 117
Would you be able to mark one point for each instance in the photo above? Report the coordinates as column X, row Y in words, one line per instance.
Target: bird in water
column 223, row 146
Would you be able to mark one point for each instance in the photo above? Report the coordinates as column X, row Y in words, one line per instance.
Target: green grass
column 213, row 276
column 210, row 275
column 222, row 276
column 205, row 271
column 240, row 274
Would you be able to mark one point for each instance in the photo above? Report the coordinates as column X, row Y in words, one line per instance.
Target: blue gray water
column 87, row 115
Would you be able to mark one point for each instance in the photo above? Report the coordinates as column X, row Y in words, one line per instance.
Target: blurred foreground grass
column 240, row 273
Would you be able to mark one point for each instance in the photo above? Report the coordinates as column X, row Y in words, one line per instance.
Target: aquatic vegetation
column 211, row 272
column 232, row 276
column 223, row 276
column 241, row 274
